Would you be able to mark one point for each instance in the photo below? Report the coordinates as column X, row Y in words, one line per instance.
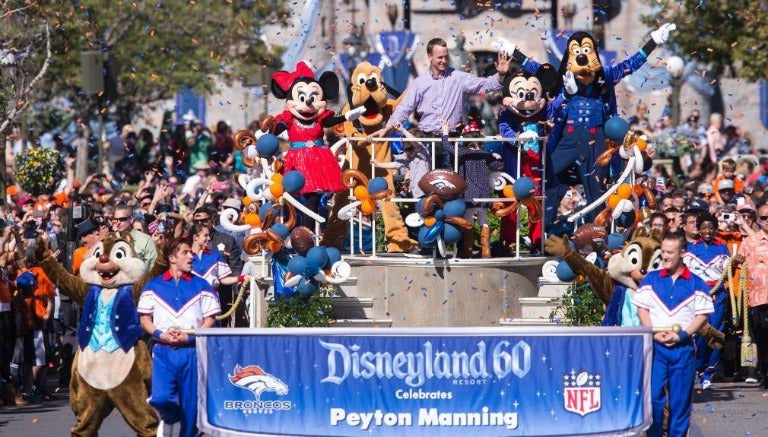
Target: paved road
column 731, row 410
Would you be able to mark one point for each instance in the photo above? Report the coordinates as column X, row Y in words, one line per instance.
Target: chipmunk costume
column 112, row 367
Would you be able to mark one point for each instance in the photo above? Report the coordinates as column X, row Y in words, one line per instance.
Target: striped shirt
column 707, row 260
column 183, row 304
column 673, row 303
column 210, row 266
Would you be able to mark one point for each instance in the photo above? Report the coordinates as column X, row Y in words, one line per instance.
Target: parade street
column 714, row 414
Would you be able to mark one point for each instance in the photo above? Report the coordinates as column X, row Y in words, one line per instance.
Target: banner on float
column 424, row 382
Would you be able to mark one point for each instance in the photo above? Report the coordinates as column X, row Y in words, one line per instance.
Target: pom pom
column 334, row 255
column 252, row 219
column 317, row 256
column 281, row 230
column 440, row 215
column 564, row 272
column 524, row 188
column 267, row 145
column 508, row 192
column 455, row 208
column 377, row 185
column 451, row 234
column 624, row 191
column 306, row 288
column 276, row 190
column 360, row 192
column 616, row 128
column 613, row 200
column 297, row 265
column 293, row 181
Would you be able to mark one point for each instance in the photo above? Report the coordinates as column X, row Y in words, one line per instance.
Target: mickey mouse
column 304, row 119
column 528, row 104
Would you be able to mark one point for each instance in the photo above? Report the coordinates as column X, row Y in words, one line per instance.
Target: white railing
column 435, row 142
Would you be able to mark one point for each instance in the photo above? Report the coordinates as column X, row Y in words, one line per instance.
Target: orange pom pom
column 624, row 191
column 613, row 200
column 641, row 144
column 368, row 206
column 508, row 191
column 361, row 193
column 247, row 201
column 252, row 219
column 277, row 178
column 429, row 221
column 276, row 190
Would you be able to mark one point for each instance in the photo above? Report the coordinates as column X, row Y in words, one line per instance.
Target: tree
column 157, row 47
column 729, row 35
column 25, row 55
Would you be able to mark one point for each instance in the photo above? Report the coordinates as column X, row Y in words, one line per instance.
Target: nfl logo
column 581, row 393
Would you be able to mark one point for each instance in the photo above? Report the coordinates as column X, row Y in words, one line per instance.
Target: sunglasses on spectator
column 200, row 220
column 764, row 217
column 119, row 219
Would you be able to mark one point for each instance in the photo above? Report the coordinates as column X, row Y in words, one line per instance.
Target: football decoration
column 445, row 183
column 590, row 237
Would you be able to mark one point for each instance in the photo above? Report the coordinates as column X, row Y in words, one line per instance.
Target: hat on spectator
column 705, row 188
column 232, row 203
column 27, row 282
column 698, row 205
column 23, row 200
column 12, row 190
column 202, row 166
column 725, row 184
column 85, row 228
column 746, row 207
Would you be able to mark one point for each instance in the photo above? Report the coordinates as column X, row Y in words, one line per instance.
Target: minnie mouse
column 305, row 117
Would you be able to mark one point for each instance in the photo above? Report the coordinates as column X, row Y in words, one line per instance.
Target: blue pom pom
column 451, row 234
column 455, row 208
column 524, row 188
column 263, row 210
column 267, row 145
column 334, row 255
column 317, row 256
column 440, row 215
column 311, row 269
column 281, row 230
column 615, row 241
column 297, row 265
column 293, row 181
column 427, row 237
column 306, row 288
column 564, row 272
column 377, row 185
column 616, row 128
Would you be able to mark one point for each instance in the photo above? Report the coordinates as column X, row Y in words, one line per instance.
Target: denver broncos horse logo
column 256, row 380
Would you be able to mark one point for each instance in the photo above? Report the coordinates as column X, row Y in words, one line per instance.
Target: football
column 590, row 237
column 445, row 183
column 302, row 240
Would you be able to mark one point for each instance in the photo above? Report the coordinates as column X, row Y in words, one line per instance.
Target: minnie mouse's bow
column 285, row 79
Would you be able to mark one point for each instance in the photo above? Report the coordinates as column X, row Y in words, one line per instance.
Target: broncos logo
column 256, row 380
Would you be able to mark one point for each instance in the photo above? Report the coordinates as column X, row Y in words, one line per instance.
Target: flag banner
column 548, row 381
